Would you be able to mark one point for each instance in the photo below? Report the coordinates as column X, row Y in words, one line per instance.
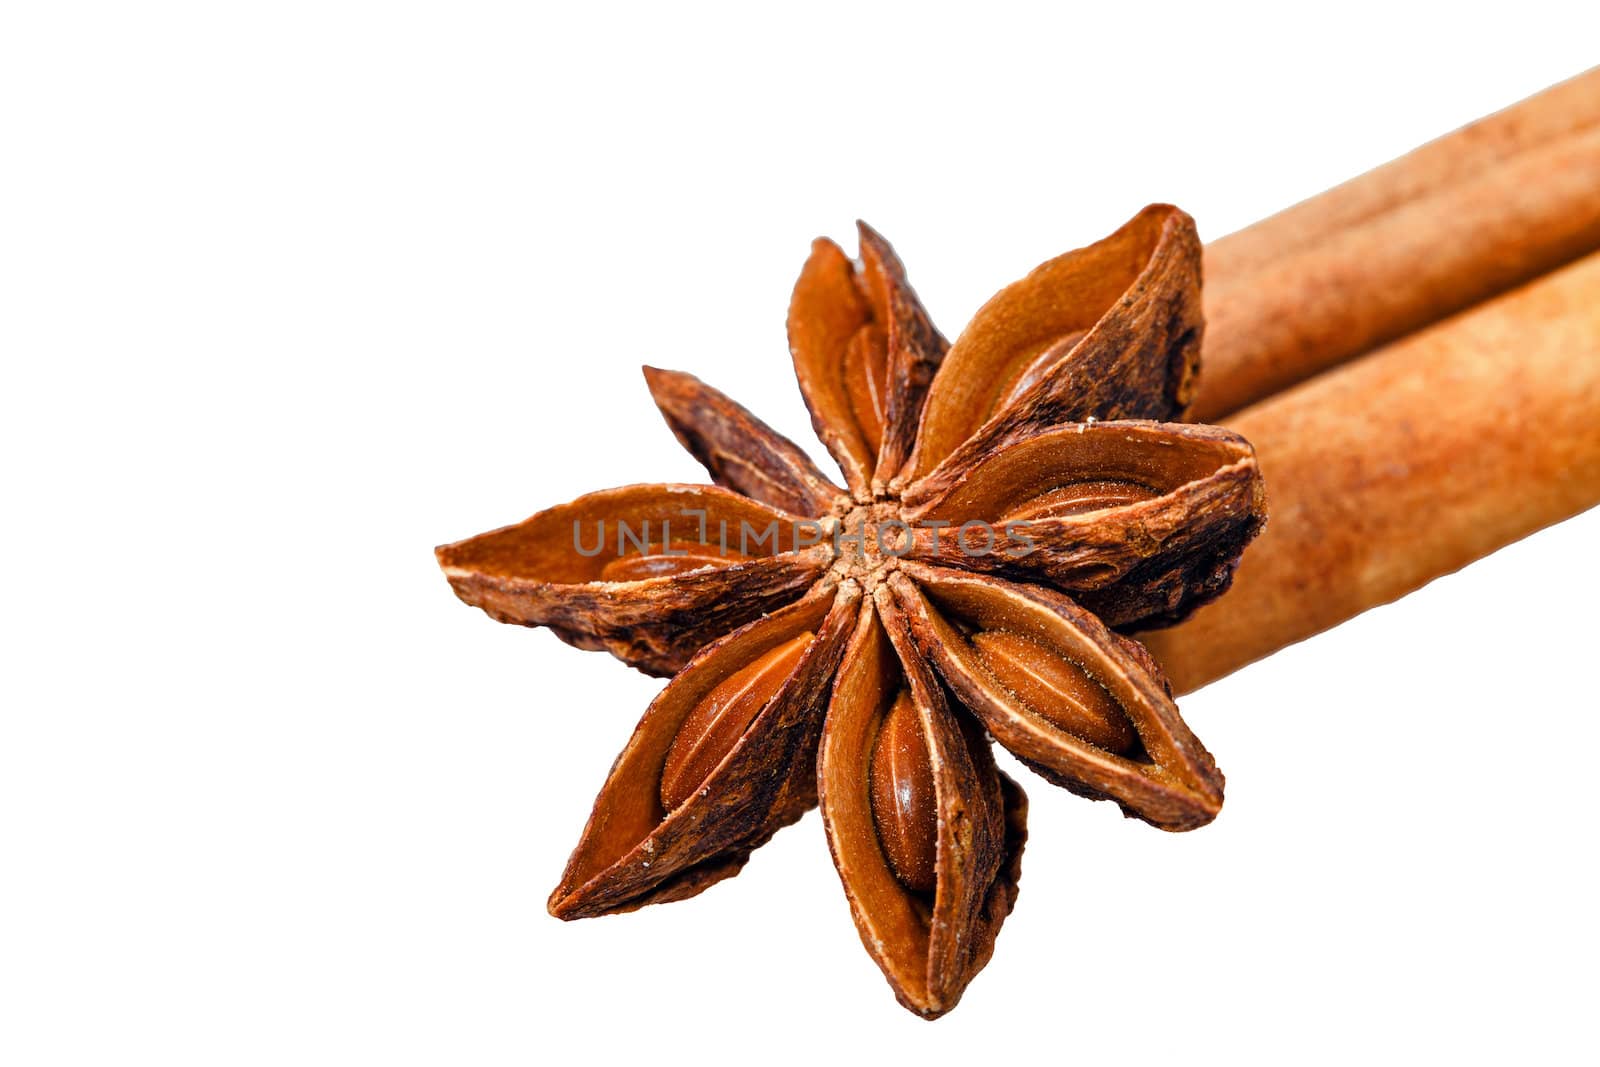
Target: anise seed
column 678, row 557
column 1037, row 367
column 904, row 805
column 720, row 719
column 1056, row 689
column 866, row 371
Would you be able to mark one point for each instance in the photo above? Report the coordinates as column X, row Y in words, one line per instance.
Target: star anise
column 1009, row 513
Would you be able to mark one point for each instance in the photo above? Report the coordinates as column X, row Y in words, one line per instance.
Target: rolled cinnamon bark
column 1459, row 220
column 1409, row 464
column 1562, row 109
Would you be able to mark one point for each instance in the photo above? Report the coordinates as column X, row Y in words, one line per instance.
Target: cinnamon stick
column 1453, row 223
column 1409, row 464
column 1562, row 109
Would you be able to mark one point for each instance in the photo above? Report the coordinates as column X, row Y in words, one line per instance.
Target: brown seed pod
column 1111, row 331
column 914, row 351
column 865, row 352
column 591, row 570
column 638, row 850
column 1166, row 778
column 741, row 452
column 1142, row 521
column 929, row 931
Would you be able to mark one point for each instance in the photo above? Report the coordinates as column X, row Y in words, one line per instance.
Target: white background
column 294, row 292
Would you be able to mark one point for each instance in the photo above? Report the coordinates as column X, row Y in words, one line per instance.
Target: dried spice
column 1012, row 507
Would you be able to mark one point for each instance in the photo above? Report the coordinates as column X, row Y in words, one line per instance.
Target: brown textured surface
column 916, row 349
column 833, row 302
column 1409, row 464
column 1453, row 223
column 633, row 853
column 1457, row 156
column 1143, row 520
column 532, row 574
column 1122, row 319
column 928, row 946
column 1146, row 563
column 739, row 450
column 1170, row 782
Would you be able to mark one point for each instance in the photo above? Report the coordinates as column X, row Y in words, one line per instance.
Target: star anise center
column 868, row 542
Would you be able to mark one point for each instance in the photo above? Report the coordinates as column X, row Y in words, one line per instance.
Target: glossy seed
column 720, row 719
column 677, row 557
column 1037, row 368
column 1082, row 497
column 904, row 804
column 866, row 372
column 1056, row 689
